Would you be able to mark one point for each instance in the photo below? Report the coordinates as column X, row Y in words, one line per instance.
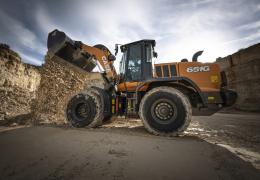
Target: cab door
column 131, row 68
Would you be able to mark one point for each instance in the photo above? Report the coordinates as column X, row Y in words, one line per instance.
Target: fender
column 177, row 79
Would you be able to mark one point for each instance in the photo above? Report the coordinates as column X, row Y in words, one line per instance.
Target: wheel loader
column 165, row 96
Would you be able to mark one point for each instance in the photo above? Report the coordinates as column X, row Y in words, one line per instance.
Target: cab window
column 134, row 63
column 122, row 64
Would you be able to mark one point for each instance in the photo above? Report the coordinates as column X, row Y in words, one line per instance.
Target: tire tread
column 184, row 99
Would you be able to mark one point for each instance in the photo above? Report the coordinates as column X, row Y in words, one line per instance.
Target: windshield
column 134, row 63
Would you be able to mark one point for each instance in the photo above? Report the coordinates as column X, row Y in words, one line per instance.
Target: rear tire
column 85, row 109
column 165, row 111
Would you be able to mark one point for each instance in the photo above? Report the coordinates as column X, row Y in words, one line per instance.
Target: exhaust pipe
column 59, row 44
column 196, row 55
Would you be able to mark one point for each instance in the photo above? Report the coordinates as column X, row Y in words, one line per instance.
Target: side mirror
column 111, row 57
column 116, row 49
column 155, row 54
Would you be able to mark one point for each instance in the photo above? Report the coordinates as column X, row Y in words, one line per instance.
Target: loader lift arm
column 82, row 55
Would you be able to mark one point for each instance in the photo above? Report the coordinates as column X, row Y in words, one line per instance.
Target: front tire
column 165, row 111
column 85, row 109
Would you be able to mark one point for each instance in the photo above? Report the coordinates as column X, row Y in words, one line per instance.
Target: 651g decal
column 198, row 69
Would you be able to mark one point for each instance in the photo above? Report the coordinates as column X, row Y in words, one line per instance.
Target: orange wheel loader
column 165, row 96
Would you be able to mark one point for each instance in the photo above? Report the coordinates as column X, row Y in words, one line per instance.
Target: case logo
column 106, row 63
column 198, row 69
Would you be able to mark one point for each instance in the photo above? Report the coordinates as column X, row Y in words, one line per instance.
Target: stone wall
column 59, row 82
column 18, row 85
column 243, row 74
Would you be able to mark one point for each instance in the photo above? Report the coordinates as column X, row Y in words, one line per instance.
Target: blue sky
column 180, row 27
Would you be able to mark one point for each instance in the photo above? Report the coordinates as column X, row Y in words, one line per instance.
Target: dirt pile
column 59, row 82
column 18, row 85
column 39, row 94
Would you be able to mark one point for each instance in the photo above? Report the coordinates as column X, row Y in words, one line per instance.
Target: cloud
column 257, row 7
column 180, row 28
column 21, row 38
column 44, row 22
column 206, row 28
column 23, row 35
column 252, row 25
column 117, row 20
column 251, row 37
column 196, row 2
column 31, row 60
column 105, row 22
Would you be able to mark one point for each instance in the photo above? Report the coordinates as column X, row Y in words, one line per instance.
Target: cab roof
column 149, row 41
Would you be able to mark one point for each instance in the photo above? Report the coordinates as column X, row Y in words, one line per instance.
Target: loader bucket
column 59, row 44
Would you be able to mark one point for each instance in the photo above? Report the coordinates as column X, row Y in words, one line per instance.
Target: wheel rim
column 82, row 111
column 164, row 111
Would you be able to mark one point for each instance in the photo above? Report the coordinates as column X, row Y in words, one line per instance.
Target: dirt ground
column 124, row 150
column 239, row 133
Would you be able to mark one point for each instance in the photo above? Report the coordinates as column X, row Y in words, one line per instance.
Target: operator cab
column 136, row 62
